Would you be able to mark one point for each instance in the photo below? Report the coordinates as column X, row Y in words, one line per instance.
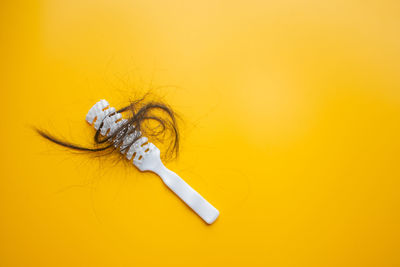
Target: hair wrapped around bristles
column 155, row 120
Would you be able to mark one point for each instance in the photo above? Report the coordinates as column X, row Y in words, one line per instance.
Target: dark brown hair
column 152, row 119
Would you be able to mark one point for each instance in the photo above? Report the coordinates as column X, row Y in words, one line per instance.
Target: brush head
column 105, row 119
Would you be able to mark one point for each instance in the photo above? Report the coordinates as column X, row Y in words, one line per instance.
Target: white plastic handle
column 193, row 199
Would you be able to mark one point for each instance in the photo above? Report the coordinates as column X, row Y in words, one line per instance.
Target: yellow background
column 291, row 129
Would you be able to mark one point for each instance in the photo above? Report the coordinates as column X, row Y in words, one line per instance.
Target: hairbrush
column 146, row 157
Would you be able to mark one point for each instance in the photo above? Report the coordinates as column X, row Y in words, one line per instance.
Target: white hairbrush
column 146, row 157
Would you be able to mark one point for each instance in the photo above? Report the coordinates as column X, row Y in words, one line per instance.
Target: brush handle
column 193, row 199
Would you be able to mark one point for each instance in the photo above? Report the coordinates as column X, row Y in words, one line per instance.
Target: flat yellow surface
column 291, row 129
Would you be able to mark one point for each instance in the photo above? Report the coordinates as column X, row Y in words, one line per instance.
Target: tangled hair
column 155, row 120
